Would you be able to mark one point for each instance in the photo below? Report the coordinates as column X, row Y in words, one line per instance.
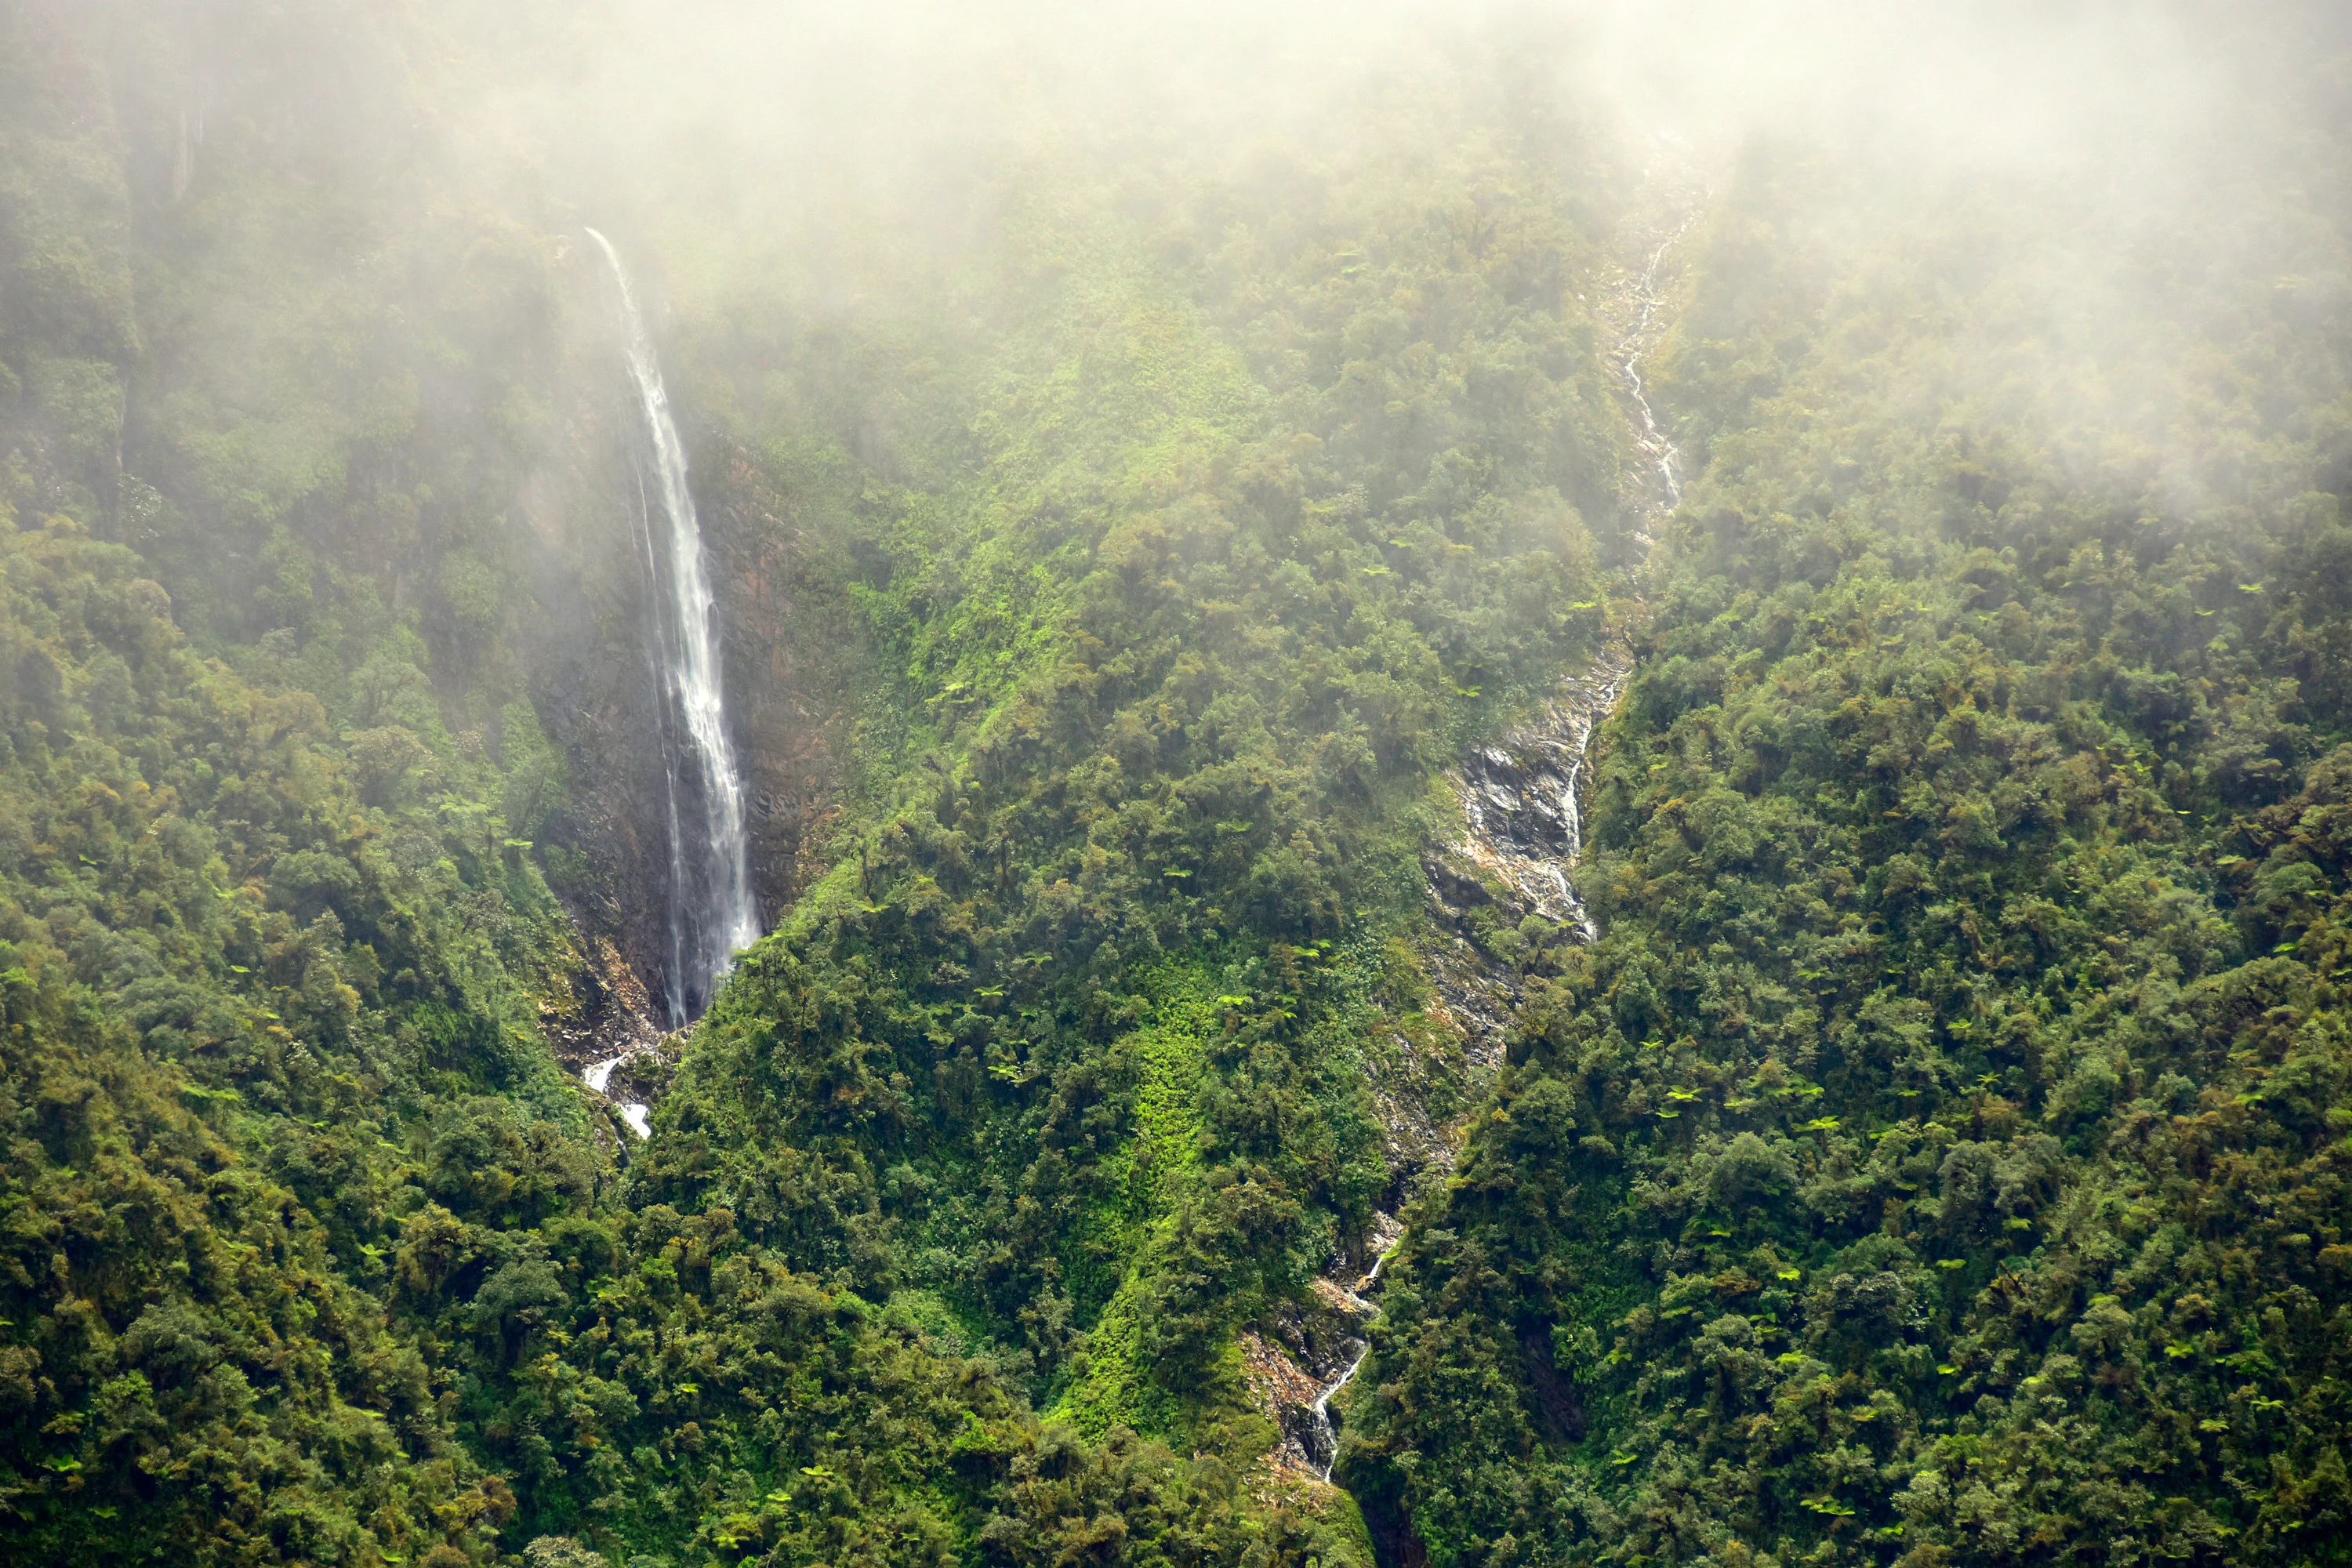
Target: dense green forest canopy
column 1175, row 456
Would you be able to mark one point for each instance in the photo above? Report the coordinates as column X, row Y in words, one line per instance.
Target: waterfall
column 711, row 912
column 1319, row 1413
column 1662, row 452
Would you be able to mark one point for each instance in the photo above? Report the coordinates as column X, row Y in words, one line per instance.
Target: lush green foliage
column 237, row 992
column 1203, row 562
column 1943, row 1155
column 1184, row 676
column 1940, row 1157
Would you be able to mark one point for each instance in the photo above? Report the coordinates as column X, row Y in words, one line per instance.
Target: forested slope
column 1938, row 1156
column 1184, row 571
column 1941, row 1157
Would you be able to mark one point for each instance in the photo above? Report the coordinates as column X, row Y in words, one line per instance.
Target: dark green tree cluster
column 233, row 988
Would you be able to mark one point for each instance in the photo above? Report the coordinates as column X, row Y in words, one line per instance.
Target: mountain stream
column 1520, row 803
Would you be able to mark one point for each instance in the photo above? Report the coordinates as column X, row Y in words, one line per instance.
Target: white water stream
column 1594, row 698
column 712, row 909
column 1321, row 1408
column 1606, row 683
column 1662, row 452
column 637, row 1114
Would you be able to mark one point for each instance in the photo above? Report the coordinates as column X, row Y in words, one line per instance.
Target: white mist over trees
column 1530, row 784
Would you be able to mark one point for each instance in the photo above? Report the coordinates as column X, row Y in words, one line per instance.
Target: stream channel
column 1520, row 796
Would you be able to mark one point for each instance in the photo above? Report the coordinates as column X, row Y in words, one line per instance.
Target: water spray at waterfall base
column 711, row 912
column 598, row 1076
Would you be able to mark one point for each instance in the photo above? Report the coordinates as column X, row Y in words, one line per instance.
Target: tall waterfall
column 712, row 909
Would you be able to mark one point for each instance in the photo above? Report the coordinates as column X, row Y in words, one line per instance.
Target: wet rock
column 1284, row 1393
column 601, row 693
column 1296, row 1360
column 787, row 698
column 1522, row 806
column 1559, row 1406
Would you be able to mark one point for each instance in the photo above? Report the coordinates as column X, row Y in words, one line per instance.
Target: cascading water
column 1608, row 689
column 1327, row 1431
column 1520, row 803
column 598, row 1076
column 1663, row 454
column 711, row 910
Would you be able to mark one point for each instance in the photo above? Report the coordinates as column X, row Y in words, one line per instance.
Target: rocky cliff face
column 789, row 722
column 1523, row 816
column 600, row 697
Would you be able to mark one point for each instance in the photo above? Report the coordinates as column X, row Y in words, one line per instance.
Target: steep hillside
column 1140, row 636
column 1162, row 542
column 1940, row 1157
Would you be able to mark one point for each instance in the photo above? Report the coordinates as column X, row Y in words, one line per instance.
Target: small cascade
column 1327, row 1431
column 712, row 909
column 1663, row 454
column 1321, row 1409
column 1572, row 814
column 1520, row 800
column 598, row 1076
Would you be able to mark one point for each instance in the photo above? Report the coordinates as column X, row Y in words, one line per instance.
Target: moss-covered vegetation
column 1942, row 1156
column 1939, row 1157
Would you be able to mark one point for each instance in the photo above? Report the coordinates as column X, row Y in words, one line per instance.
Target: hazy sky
column 2011, row 79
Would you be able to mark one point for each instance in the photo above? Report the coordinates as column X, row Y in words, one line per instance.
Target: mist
column 850, row 143
column 1498, row 784
column 816, row 98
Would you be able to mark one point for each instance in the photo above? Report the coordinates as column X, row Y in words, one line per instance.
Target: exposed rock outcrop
column 1522, row 833
column 1523, row 813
